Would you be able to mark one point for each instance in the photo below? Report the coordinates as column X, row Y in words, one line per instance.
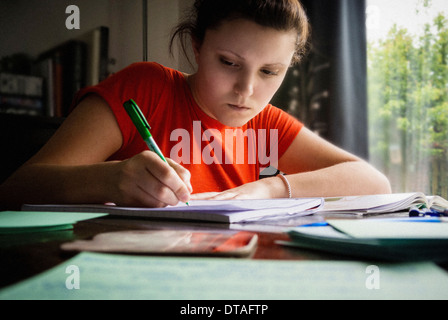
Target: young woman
column 216, row 125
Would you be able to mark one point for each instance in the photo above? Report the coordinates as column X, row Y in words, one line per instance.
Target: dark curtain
column 328, row 90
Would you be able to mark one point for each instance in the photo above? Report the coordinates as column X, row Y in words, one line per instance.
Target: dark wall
column 328, row 90
column 21, row 137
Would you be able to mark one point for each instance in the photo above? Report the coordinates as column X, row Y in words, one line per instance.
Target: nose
column 244, row 85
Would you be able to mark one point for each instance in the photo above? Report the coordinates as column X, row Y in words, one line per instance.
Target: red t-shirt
column 218, row 157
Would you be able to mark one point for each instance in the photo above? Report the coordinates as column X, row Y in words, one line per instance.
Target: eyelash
column 228, row 63
column 234, row 65
column 269, row 73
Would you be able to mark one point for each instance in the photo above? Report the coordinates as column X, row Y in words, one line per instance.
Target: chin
column 234, row 123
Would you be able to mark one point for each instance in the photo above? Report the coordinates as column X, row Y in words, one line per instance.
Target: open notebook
column 238, row 211
column 382, row 203
column 225, row 211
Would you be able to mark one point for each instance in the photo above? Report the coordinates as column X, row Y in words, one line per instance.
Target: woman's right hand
column 146, row 180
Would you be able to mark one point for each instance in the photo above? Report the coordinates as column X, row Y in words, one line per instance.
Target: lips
column 238, row 107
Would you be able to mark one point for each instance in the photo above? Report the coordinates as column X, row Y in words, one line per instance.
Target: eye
column 227, row 62
column 269, row 72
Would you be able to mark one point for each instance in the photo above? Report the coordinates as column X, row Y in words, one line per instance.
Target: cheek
column 217, row 84
column 267, row 90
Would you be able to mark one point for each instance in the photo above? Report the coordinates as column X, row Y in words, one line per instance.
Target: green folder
column 376, row 239
column 14, row 222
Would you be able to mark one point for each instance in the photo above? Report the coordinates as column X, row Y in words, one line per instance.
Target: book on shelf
column 44, row 68
column 69, row 67
column 21, row 105
column 68, row 74
column 21, row 85
column 97, row 41
column 21, row 94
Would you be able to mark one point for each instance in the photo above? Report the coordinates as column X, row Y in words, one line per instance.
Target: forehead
column 250, row 40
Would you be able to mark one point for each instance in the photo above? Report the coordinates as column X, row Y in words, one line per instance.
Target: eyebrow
column 278, row 64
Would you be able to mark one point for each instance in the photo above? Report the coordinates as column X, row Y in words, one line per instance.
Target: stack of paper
column 228, row 211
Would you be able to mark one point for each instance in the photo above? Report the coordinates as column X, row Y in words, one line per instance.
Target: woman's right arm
column 72, row 168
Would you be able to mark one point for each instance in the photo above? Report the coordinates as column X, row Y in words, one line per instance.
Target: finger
column 135, row 195
column 157, row 192
column 147, row 173
column 171, row 180
column 136, row 183
column 143, row 199
column 183, row 173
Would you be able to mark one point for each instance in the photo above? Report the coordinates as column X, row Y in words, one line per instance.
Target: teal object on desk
column 18, row 222
column 410, row 239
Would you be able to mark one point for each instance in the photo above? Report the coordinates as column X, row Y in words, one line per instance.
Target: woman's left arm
column 315, row 168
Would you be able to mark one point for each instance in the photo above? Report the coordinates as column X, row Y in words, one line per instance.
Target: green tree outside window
column 408, row 106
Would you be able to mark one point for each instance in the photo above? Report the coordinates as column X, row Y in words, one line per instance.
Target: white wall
column 34, row 26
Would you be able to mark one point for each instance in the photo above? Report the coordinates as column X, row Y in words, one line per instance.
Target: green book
column 14, row 222
column 384, row 239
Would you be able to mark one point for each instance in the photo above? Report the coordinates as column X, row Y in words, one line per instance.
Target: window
column 408, row 93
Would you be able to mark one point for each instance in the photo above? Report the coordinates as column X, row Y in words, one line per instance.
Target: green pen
column 143, row 127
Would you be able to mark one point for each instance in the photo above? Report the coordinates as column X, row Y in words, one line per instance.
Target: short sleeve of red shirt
column 129, row 83
column 181, row 128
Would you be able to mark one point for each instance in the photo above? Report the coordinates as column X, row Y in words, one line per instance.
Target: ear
column 196, row 44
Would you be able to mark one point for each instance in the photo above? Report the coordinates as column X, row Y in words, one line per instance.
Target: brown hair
column 283, row 15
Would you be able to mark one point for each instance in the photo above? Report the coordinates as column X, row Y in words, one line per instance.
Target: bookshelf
column 36, row 94
column 56, row 75
column 109, row 29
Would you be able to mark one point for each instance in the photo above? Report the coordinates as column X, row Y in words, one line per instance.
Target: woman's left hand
column 267, row 188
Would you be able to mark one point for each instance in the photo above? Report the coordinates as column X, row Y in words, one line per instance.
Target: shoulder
column 140, row 80
column 141, row 70
column 273, row 117
column 152, row 67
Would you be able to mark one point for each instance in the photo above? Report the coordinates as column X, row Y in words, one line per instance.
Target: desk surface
column 26, row 255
